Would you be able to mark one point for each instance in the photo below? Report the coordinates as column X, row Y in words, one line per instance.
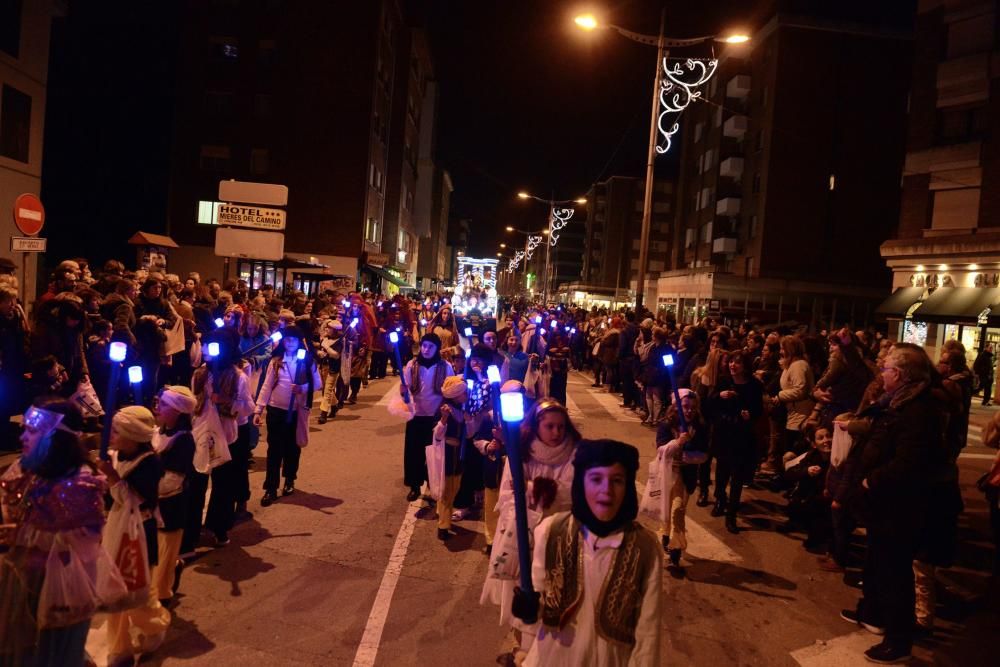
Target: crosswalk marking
column 836, row 652
column 574, row 410
column 702, row 544
column 610, row 404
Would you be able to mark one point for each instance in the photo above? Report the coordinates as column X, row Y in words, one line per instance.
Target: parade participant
column 558, row 357
column 222, row 387
column 596, row 569
column 734, row 406
column 488, row 439
column 450, row 434
column 477, row 409
column 329, row 353
column 50, row 494
column 175, row 446
column 136, row 470
column 287, row 394
column 444, row 327
column 549, row 440
column 425, row 375
column 684, row 450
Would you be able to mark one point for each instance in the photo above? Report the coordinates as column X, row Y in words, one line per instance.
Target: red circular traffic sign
column 29, row 214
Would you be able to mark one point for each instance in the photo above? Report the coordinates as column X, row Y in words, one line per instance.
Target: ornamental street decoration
column 677, row 90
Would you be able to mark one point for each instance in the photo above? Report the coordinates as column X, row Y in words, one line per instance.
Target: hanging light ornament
column 677, row 90
column 560, row 218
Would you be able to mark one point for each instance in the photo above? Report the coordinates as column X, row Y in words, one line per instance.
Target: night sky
column 529, row 101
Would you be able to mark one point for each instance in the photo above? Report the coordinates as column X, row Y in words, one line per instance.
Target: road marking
column 844, row 650
column 983, row 457
column 574, row 410
column 372, row 637
column 610, row 404
column 702, row 544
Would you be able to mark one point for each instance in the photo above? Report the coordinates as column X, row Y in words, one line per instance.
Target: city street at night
column 346, row 572
column 562, row 333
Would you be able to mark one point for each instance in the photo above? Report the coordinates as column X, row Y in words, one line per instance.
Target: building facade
column 612, row 235
column 25, row 30
column 790, row 172
column 945, row 256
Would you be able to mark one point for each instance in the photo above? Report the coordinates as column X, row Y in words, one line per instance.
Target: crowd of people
column 107, row 502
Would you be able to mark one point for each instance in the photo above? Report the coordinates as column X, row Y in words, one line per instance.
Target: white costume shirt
column 578, row 642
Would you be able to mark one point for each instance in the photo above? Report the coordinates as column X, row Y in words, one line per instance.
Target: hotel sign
column 973, row 279
column 255, row 217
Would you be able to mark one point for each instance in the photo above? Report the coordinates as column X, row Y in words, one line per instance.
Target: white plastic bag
column 85, row 399
column 195, row 354
column 125, row 541
column 650, row 504
column 504, row 562
column 67, row 596
column 175, row 336
column 842, row 443
column 211, row 449
column 435, row 468
column 399, row 408
column 112, row 593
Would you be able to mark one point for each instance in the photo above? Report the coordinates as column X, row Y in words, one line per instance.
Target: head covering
column 454, row 388
column 682, row 392
column 134, row 423
column 597, row 454
column 436, row 341
column 179, row 398
column 647, row 323
column 337, row 325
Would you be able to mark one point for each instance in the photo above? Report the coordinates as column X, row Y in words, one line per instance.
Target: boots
column 731, row 524
column 702, row 498
column 720, row 507
column 322, row 416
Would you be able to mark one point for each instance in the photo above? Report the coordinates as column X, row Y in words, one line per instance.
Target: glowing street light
column 581, row 200
column 586, row 22
column 523, row 195
column 503, row 245
column 509, row 228
column 736, row 38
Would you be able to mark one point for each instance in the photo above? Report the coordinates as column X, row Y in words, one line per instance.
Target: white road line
column 702, row 544
column 983, row 457
column 384, row 401
column 610, row 404
column 837, row 652
column 574, row 410
column 372, row 637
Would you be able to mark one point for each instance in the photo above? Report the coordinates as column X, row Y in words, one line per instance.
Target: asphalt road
column 346, row 572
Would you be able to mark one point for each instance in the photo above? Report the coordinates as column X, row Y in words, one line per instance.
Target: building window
column 755, row 188
column 760, row 140
column 215, row 158
column 259, row 161
column 262, row 105
column 208, row 212
column 699, row 129
column 225, row 49
column 749, row 267
column 15, row 123
column 956, row 209
column 706, row 233
column 688, row 237
column 372, row 230
column 753, row 226
column 10, row 27
column 218, row 104
column 266, row 52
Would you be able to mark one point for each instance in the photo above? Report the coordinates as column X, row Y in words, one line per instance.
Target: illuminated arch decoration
column 677, row 90
column 515, row 262
column 560, row 218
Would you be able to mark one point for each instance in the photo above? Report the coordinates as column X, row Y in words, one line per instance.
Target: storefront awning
column 947, row 305
column 382, row 273
column 900, row 301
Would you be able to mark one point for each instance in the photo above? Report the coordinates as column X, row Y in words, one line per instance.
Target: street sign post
column 268, row 194
column 29, row 217
column 249, row 243
column 27, row 244
column 29, row 214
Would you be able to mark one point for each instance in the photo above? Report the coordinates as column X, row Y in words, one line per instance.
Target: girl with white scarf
column 551, row 441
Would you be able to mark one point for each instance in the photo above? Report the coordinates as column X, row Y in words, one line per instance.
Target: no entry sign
column 29, row 214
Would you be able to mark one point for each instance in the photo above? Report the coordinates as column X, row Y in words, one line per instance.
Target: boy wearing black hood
column 597, row 571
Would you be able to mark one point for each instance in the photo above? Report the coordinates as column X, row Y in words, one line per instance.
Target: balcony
column 724, row 245
column 735, row 127
column 729, row 207
column 963, row 80
column 738, row 87
column 732, row 168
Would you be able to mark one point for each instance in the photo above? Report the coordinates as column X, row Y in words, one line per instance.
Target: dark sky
column 528, row 101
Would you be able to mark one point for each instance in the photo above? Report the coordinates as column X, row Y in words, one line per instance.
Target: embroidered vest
column 620, row 598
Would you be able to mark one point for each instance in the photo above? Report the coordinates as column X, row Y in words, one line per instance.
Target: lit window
column 208, row 212
column 15, row 123
column 225, row 49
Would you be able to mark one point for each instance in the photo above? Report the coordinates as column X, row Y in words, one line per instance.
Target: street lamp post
column 674, row 95
column 552, row 202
